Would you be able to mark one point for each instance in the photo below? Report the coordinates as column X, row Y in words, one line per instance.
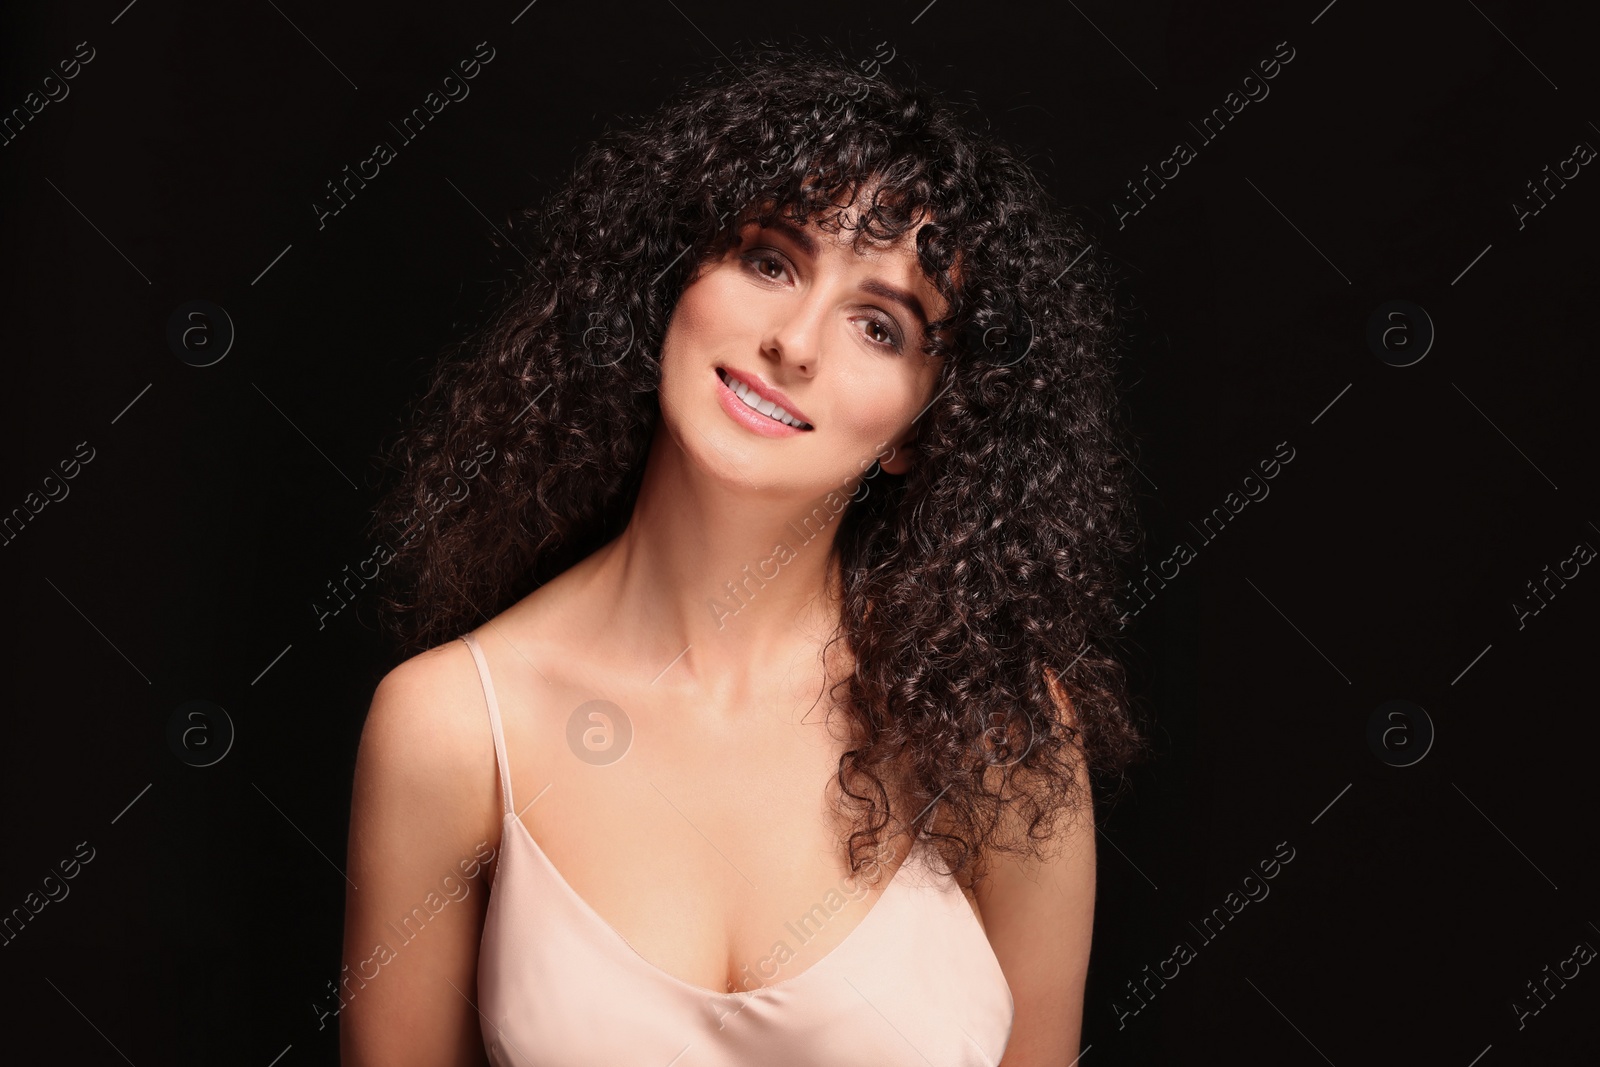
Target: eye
column 881, row 330
column 760, row 259
column 887, row 337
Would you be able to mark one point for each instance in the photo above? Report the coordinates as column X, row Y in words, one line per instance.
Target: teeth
column 752, row 400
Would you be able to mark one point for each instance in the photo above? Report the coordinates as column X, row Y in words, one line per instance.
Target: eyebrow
column 906, row 300
column 795, row 234
column 899, row 296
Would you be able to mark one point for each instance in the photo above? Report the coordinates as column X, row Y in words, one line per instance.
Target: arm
column 421, row 825
column 1039, row 915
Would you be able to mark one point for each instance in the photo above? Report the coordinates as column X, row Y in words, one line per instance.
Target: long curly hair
column 977, row 588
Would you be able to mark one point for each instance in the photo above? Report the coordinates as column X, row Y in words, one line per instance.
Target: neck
column 717, row 582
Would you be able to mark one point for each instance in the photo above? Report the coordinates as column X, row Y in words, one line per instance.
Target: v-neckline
column 611, row 931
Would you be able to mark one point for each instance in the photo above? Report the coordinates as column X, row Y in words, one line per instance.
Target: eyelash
column 759, row 255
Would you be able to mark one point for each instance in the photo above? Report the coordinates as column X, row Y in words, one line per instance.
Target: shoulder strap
column 494, row 722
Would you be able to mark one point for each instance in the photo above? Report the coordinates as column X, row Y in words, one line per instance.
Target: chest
column 709, row 843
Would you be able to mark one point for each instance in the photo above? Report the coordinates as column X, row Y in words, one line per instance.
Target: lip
column 752, row 418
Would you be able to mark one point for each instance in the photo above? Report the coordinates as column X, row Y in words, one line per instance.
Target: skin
column 724, row 705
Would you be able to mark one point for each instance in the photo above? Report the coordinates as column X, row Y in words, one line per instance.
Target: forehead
column 817, row 237
column 841, row 227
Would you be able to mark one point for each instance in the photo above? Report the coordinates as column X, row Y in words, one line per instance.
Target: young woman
column 756, row 576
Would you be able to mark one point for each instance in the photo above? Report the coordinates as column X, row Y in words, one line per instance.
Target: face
column 793, row 316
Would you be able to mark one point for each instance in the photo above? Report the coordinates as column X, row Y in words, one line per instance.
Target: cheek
column 880, row 399
column 702, row 322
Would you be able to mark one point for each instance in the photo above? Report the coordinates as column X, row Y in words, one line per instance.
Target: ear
column 900, row 461
column 904, row 456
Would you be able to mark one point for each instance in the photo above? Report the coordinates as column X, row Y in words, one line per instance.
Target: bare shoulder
column 429, row 698
column 423, row 826
column 427, row 738
column 1039, row 914
column 426, row 745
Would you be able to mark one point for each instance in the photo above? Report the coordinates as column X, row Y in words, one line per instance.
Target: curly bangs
column 977, row 587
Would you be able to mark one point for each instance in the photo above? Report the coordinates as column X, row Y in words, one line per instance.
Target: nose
column 793, row 333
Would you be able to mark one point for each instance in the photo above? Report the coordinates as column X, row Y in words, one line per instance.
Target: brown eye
column 888, row 339
column 760, row 258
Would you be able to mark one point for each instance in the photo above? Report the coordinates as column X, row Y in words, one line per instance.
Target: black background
column 1383, row 565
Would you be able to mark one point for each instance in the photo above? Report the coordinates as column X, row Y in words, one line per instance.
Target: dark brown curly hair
column 977, row 587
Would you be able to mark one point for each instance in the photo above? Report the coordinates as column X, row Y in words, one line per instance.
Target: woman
column 761, row 648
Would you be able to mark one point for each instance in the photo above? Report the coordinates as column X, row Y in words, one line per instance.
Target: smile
column 753, row 402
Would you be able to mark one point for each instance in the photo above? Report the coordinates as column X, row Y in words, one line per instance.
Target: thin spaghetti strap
column 494, row 722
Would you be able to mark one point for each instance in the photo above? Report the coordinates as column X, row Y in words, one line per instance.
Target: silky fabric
column 916, row 983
